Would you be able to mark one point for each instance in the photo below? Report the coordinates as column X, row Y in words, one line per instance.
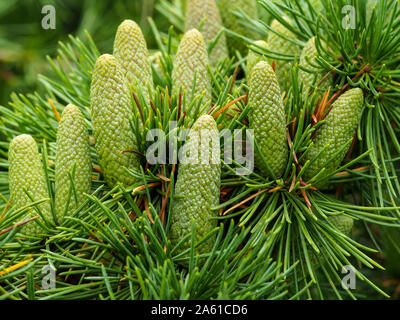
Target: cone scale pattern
column 73, row 155
column 311, row 80
column 111, row 115
column 130, row 49
column 205, row 13
column 279, row 45
column 190, row 64
column 339, row 127
column 198, row 185
column 267, row 119
column 343, row 223
column 253, row 57
column 26, row 174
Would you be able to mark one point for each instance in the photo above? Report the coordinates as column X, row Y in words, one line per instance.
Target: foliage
column 274, row 238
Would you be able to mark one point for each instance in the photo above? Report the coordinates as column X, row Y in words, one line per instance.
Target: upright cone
column 343, row 223
column 267, row 119
column 191, row 66
column 312, row 79
column 110, row 102
column 26, row 175
column 130, row 49
column 72, row 159
column 284, row 46
column 339, row 127
column 204, row 16
column 198, row 185
column 254, row 57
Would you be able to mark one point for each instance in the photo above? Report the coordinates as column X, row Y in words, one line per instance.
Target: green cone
column 277, row 44
column 267, row 119
column 130, row 49
column 26, row 174
column 155, row 60
column 231, row 22
column 339, row 127
column 205, row 13
column 73, row 155
column 110, row 102
column 307, row 60
column 253, row 57
column 343, row 223
column 191, row 63
column 198, row 185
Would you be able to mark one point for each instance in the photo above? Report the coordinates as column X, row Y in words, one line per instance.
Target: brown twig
column 153, row 184
column 5, row 209
column 17, row 225
column 342, row 173
column 228, row 106
column 53, row 107
column 233, row 78
column 162, row 177
column 146, row 205
column 244, row 201
column 324, row 78
column 179, row 104
column 97, row 169
column 133, row 151
column 246, row 101
column 165, row 199
column 153, row 107
column 138, row 106
column 365, row 69
column 304, row 194
column 184, row 116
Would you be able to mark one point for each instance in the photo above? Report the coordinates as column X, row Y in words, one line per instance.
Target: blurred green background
column 24, row 44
